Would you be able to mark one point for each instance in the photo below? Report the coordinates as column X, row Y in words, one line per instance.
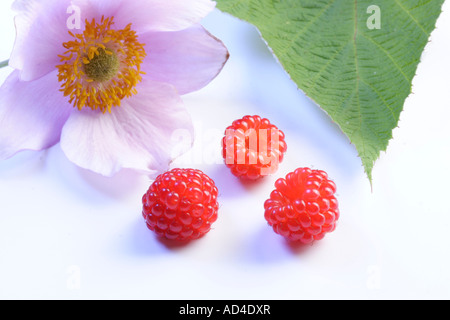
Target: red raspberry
column 303, row 207
column 253, row 147
column 181, row 205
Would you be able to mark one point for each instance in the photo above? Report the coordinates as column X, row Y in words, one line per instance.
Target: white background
column 66, row 233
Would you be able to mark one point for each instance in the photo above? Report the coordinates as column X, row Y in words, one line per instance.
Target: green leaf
column 4, row 64
column 355, row 58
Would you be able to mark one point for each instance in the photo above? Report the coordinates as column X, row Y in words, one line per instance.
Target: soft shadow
column 226, row 183
column 172, row 244
column 92, row 186
column 299, row 248
column 144, row 242
column 251, row 185
column 23, row 164
column 267, row 247
column 123, row 184
column 232, row 187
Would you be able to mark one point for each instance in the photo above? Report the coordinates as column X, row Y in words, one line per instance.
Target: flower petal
column 42, row 26
column 188, row 59
column 41, row 29
column 162, row 15
column 138, row 135
column 32, row 114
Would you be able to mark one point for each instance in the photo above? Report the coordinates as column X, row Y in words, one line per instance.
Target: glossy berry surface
column 181, row 205
column 303, row 207
column 253, row 147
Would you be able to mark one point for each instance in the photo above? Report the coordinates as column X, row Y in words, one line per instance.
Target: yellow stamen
column 101, row 66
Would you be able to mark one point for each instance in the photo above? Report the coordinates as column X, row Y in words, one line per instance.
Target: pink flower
column 104, row 78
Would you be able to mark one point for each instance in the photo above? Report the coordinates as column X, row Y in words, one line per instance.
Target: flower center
column 101, row 66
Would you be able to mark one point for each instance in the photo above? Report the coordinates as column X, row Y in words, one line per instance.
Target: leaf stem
column 4, row 64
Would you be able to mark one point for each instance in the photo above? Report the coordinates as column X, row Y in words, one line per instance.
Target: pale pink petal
column 41, row 30
column 188, row 59
column 32, row 114
column 42, row 26
column 138, row 135
column 162, row 15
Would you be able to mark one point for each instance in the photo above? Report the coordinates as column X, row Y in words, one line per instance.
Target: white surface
column 66, row 233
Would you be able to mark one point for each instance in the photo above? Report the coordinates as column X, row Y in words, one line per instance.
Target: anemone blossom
column 104, row 77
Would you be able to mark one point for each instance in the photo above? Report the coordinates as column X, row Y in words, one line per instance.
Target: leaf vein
column 381, row 98
column 387, row 54
column 412, row 17
column 311, row 23
column 325, row 67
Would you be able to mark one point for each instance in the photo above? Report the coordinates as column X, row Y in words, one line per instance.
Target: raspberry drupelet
column 181, row 205
column 303, row 207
